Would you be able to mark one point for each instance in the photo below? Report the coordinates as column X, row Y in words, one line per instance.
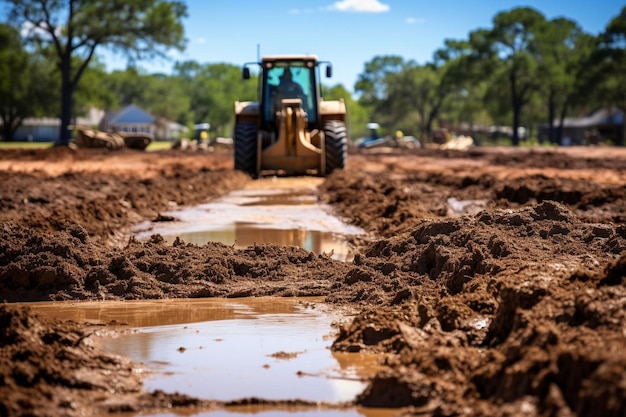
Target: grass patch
column 154, row 146
column 159, row 145
column 24, row 145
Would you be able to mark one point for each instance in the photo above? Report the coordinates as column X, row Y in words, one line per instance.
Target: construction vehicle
column 92, row 138
column 398, row 140
column 139, row 141
column 290, row 129
column 87, row 137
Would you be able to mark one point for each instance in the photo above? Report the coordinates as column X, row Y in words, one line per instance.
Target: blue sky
column 350, row 33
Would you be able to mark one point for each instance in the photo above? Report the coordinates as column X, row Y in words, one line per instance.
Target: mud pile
column 473, row 324
column 69, row 265
column 47, row 365
column 517, row 307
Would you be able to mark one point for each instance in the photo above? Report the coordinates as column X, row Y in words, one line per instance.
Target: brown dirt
column 516, row 307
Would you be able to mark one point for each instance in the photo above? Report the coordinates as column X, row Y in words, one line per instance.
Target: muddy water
column 214, row 349
column 271, row 348
column 283, row 211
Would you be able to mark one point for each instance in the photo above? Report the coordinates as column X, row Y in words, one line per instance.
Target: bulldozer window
column 290, row 82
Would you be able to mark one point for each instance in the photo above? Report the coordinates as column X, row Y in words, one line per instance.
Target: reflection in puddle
column 217, row 349
column 259, row 411
column 269, row 213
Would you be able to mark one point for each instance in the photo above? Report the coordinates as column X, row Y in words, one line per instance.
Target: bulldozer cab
column 289, row 80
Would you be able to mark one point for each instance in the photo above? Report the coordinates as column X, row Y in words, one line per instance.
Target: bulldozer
column 290, row 130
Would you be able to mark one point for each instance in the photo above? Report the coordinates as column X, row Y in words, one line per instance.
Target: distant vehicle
column 87, row 137
column 388, row 141
column 201, row 132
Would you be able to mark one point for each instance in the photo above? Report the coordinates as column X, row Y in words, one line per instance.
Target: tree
column 512, row 42
column 94, row 89
column 562, row 46
column 371, row 83
column 213, row 90
column 138, row 28
column 463, row 65
column 165, row 97
column 607, row 70
column 24, row 82
column 415, row 89
column 357, row 116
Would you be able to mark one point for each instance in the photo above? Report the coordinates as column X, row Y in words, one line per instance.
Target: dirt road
column 493, row 279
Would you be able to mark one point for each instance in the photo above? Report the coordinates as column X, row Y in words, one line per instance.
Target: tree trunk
column 10, row 124
column 551, row 112
column 516, row 109
column 622, row 132
column 66, row 106
column 559, row 131
column 424, row 126
column 431, row 118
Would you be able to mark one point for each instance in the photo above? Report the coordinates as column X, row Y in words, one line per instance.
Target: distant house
column 128, row 119
column 46, row 129
column 134, row 119
column 598, row 126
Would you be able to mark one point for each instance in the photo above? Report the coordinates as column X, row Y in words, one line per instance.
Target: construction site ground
column 492, row 280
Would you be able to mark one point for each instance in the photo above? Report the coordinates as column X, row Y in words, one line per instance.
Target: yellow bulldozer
column 290, row 130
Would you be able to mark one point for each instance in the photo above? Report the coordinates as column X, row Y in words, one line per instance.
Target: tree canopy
column 524, row 70
column 74, row 29
column 25, row 82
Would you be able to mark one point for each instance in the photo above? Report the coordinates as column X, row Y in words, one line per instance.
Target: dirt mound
column 488, row 324
column 48, row 365
column 69, row 265
column 493, row 283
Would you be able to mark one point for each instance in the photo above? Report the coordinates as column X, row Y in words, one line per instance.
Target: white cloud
column 28, row 29
column 359, row 6
column 201, row 40
column 412, row 20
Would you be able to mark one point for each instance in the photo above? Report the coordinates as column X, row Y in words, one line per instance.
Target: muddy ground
column 493, row 279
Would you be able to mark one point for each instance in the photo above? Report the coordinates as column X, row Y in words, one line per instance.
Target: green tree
column 213, row 90
column 463, row 67
column 415, row 89
column 357, row 116
column 139, row 28
column 562, row 46
column 165, row 97
column 607, row 69
column 512, row 44
column 127, row 86
column 93, row 90
column 25, row 82
column 371, row 84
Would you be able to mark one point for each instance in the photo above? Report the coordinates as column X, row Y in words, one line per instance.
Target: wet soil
column 516, row 307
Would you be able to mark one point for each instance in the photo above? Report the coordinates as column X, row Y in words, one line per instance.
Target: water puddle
column 229, row 349
column 225, row 349
column 282, row 211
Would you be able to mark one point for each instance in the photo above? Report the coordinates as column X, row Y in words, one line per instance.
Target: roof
column 131, row 114
column 600, row 117
column 273, row 58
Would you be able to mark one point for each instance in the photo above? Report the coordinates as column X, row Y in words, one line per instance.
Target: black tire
column 246, row 148
column 335, row 145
